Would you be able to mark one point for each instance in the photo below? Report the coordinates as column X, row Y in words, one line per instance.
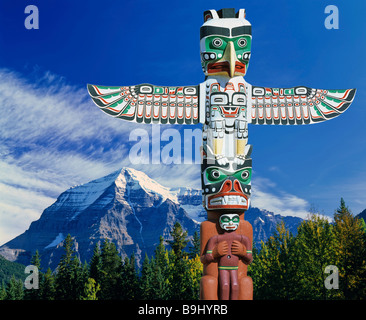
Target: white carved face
column 229, row 222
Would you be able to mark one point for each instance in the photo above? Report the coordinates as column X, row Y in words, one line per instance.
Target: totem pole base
column 210, row 288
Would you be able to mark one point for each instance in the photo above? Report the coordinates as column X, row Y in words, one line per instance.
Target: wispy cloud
column 267, row 195
column 53, row 137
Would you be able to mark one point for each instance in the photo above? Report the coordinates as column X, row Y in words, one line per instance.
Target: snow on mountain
column 128, row 208
column 81, row 197
column 60, row 237
column 140, row 180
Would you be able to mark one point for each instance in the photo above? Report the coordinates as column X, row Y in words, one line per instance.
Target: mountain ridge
column 128, row 208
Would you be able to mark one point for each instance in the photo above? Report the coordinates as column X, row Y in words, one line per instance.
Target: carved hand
column 220, row 250
column 238, row 248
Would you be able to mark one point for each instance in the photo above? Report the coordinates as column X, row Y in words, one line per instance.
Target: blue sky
column 53, row 136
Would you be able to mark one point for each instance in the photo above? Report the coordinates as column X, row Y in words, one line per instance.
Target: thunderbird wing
column 147, row 103
column 298, row 105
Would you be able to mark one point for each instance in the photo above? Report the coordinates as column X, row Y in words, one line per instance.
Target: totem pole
column 228, row 247
column 225, row 104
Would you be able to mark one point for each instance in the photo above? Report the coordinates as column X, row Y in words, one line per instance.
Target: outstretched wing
column 298, row 105
column 148, row 103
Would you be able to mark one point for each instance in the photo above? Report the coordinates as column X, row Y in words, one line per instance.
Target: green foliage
column 351, row 252
column 47, row 286
column 2, row 291
column 90, row 290
column 95, row 269
column 8, row 269
column 315, row 249
column 71, row 276
column 179, row 241
column 110, row 272
column 195, row 248
column 147, row 279
column 290, row 267
column 129, row 280
column 286, row 267
column 274, row 268
column 14, row 289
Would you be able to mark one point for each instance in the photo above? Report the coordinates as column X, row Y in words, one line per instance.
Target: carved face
column 225, row 46
column 229, row 222
column 225, row 188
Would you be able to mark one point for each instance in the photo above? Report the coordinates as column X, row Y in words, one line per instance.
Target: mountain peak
column 133, row 179
column 126, row 207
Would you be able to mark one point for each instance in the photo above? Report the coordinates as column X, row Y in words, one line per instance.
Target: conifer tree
column 273, row 269
column 91, row 289
column 162, row 271
column 2, row 291
column 178, row 268
column 14, row 289
column 363, row 223
column 47, row 286
column 147, row 279
column 110, row 279
column 316, row 249
column 70, row 277
column 95, row 269
column 161, row 255
column 179, row 241
column 195, row 248
column 130, row 281
column 160, row 283
column 195, row 269
column 351, row 252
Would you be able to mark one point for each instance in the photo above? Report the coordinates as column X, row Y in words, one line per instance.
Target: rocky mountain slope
column 126, row 207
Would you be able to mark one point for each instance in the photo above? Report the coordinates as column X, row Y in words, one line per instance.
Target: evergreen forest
column 325, row 260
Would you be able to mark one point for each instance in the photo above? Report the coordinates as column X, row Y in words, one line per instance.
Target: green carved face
column 217, row 45
column 218, row 53
column 226, row 188
column 217, row 175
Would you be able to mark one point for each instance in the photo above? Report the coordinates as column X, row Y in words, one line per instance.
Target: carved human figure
column 228, row 248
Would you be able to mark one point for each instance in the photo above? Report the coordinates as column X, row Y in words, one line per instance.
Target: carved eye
column 225, row 219
column 215, row 174
column 242, row 42
column 246, row 56
column 217, row 42
column 245, row 175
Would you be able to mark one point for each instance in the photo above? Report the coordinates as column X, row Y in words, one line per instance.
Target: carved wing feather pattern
column 298, row 105
column 148, row 103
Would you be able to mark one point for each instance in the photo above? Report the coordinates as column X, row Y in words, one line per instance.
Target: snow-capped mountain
column 128, row 208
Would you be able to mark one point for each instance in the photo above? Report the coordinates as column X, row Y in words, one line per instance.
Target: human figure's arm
column 243, row 249
column 214, row 250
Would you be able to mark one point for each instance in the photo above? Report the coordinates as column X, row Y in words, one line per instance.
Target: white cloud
column 266, row 195
column 54, row 137
column 18, row 208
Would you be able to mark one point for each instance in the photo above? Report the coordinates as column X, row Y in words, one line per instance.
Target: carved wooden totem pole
column 224, row 104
